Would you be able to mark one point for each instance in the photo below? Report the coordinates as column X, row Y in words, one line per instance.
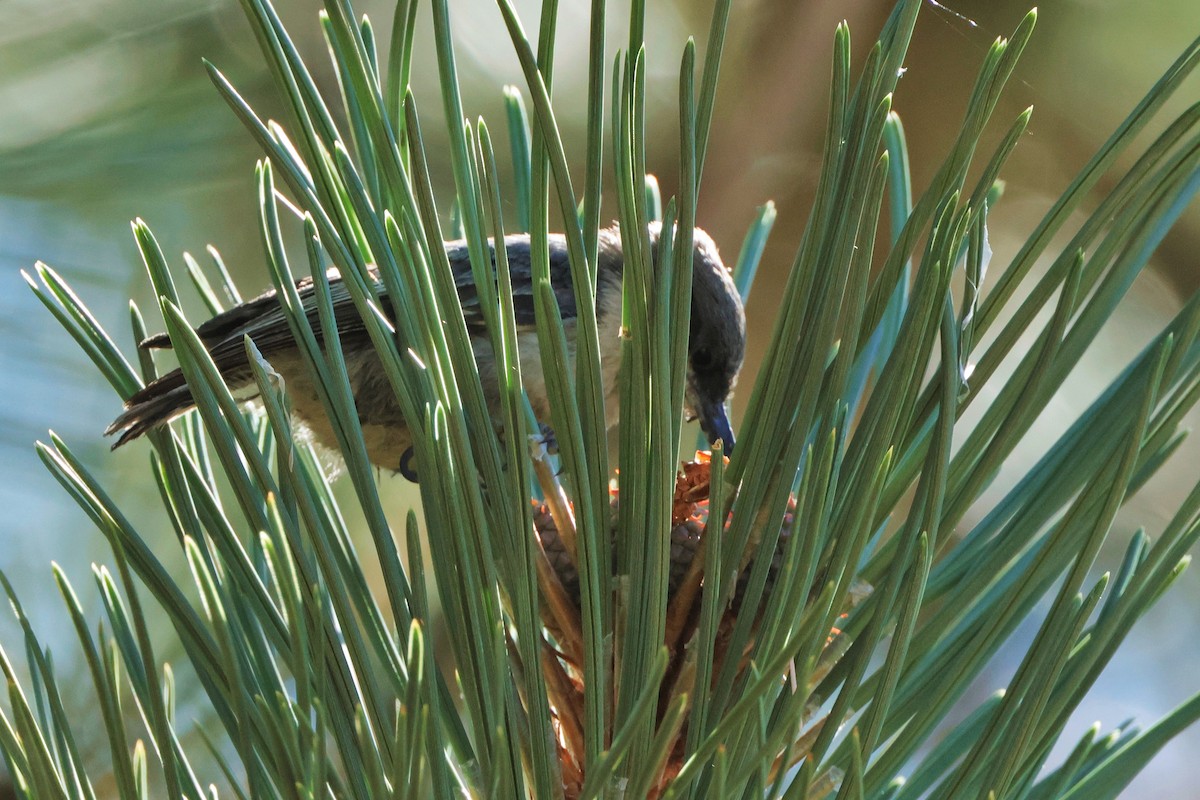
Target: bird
column 716, row 347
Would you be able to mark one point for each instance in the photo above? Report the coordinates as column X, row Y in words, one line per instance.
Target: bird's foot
column 543, row 447
column 544, row 442
column 407, row 468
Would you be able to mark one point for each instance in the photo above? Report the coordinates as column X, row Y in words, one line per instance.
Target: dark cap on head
column 716, row 340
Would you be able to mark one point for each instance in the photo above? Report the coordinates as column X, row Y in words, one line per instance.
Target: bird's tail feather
column 154, row 405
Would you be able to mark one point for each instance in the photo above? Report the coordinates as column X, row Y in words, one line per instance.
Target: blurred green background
column 107, row 115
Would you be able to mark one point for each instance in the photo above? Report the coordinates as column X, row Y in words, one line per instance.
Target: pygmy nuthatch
column 716, row 346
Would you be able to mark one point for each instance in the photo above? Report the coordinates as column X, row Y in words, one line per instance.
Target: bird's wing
column 520, row 270
column 263, row 320
column 234, row 321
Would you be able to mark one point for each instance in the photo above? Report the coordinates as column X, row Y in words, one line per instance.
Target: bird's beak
column 714, row 421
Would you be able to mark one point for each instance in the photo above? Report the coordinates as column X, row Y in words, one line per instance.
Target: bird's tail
column 153, row 406
column 164, row 399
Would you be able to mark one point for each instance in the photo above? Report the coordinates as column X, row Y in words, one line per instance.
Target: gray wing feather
column 263, row 320
column 520, row 271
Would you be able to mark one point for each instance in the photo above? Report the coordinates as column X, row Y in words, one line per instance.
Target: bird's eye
column 702, row 359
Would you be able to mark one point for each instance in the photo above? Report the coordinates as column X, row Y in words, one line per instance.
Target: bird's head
column 716, row 340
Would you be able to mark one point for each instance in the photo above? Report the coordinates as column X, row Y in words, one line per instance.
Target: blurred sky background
column 108, row 115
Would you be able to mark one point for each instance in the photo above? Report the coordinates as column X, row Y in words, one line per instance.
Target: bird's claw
column 406, row 467
column 544, row 442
